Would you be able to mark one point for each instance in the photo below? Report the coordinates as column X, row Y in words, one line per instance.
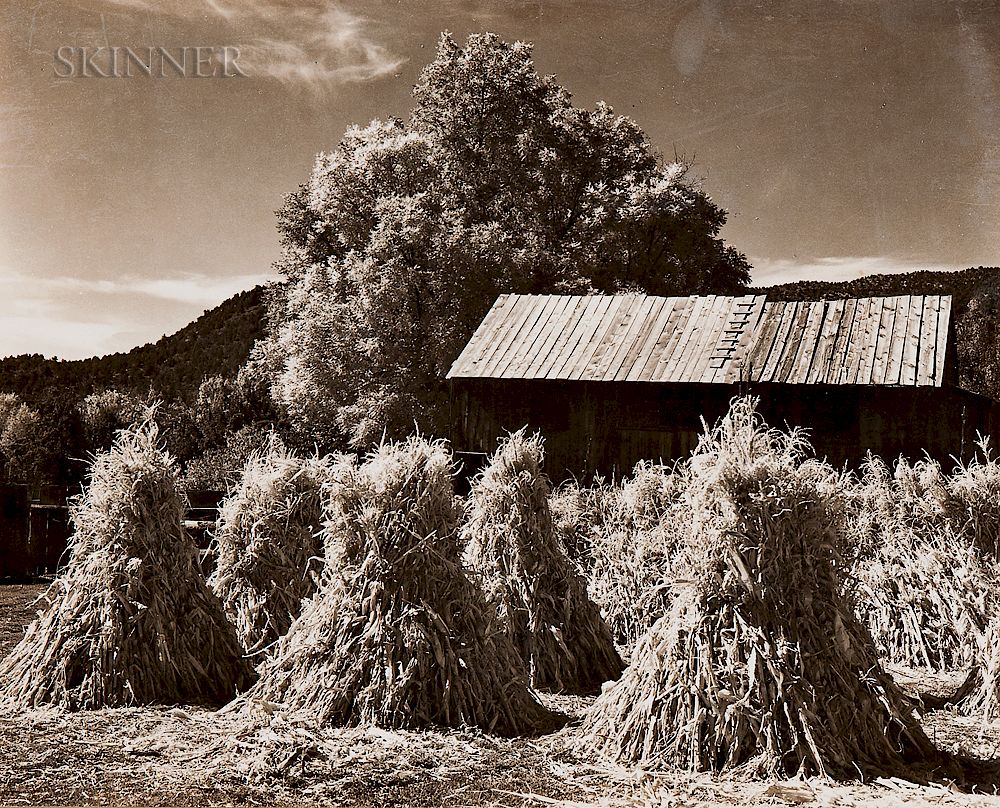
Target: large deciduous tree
column 405, row 234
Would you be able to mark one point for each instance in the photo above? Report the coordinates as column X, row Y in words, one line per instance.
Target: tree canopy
column 405, row 234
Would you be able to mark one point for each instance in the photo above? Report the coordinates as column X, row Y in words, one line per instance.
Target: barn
column 612, row 379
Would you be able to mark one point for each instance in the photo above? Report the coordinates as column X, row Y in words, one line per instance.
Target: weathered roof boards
column 890, row 341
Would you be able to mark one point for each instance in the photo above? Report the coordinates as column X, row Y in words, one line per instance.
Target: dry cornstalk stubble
column 760, row 664
column 540, row 597
column 398, row 636
column 131, row 620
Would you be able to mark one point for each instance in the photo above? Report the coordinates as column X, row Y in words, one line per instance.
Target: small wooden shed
column 612, row 379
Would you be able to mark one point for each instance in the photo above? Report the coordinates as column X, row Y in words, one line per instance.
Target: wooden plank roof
column 896, row 341
column 889, row 341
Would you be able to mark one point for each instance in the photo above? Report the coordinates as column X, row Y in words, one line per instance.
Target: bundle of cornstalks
column 975, row 487
column 651, row 493
column 573, row 522
column 926, row 599
column 539, row 595
column 268, row 545
column 922, row 588
column 398, row 636
column 910, row 498
column 760, row 664
column 634, row 548
column 920, row 497
column 131, row 620
column 983, row 699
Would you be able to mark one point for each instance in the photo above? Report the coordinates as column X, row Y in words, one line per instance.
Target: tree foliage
column 24, row 449
column 104, row 414
column 219, row 467
column 405, row 234
column 225, row 405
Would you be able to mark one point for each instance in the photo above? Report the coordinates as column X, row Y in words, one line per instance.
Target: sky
column 844, row 138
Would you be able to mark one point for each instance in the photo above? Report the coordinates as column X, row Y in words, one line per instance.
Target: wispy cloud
column 189, row 288
column 316, row 44
column 193, row 289
column 770, row 272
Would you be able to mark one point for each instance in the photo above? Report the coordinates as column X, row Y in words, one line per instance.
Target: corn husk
column 760, row 664
column 268, row 543
column 398, row 636
column 540, row 597
column 130, row 621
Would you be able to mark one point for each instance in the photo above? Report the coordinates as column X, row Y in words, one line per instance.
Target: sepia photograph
column 519, row 404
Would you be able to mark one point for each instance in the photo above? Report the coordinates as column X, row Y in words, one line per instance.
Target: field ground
column 193, row 756
column 16, row 611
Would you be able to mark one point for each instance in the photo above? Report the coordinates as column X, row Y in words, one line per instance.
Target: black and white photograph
column 531, row 404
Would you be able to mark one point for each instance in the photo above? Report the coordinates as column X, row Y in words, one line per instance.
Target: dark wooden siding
column 601, row 428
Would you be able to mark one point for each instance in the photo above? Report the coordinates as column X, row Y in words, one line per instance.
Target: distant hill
column 975, row 312
column 218, row 342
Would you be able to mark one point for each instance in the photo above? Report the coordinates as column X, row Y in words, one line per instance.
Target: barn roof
column 711, row 339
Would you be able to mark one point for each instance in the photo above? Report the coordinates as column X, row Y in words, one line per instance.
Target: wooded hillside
column 216, row 344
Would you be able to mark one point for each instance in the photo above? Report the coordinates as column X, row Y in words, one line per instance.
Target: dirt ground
column 192, row 756
column 17, row 610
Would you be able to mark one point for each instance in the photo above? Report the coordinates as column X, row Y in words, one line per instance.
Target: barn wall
column 605, row 428
column 844, row 424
